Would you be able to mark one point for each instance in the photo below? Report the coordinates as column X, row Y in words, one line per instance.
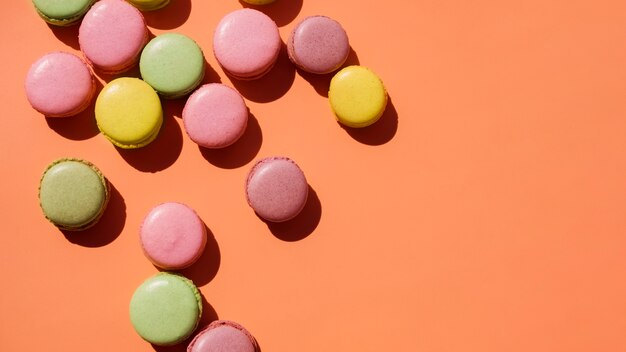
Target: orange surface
column 484, row 212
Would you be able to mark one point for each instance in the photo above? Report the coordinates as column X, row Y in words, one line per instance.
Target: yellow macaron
column 259, row 2
column 357, row 96
column 128, row 112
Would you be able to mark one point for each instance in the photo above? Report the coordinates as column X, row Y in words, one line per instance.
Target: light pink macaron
column 223, row 336
column 246, row 43
column 172, row 236
column 215, row 116
column 112, row 35
column 59, row 84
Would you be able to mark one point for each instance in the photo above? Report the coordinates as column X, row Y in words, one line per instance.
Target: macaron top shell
column 172, row 236
column 215, row 116
column 246, row 43
column 62, row 12
column 319, row 45
column 223, row 336
column 59, row 84
column 112, row 35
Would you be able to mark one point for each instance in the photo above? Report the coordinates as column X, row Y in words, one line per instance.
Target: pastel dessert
column 73, row 194
column 165, row 309
column 258, row 2
column 276, row 189
column 223, row 336
column 62, row 13
column 318, row 44
column 129, row 113
column 59, row 84
column 172, row 236
column 173, row 64
column 246, row 43
column 149, row 5
column 112, row 35
column 215, row 116
column 357, row 96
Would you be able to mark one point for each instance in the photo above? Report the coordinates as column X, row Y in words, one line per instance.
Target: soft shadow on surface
column 206, row 267
column 321, row 83
column 303, row 224
column 108, row 228
column 240, row 153
column 210, row 75
column 281, row 11
column 271, row 86
column 79, row 127
column 172, row 16
column 68, row 34
column 381, row 132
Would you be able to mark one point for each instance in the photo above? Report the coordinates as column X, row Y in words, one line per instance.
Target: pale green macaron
column 62, row 12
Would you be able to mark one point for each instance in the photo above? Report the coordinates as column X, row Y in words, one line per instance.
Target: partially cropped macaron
column 73, row 194
column 62, row 12
column 318, row 44
column 215, row 116
column 112, row 35
column 59, row 84
column 357, row 96
column 276, row 189
column 129, row 113
column 173, row 64
column 223, row 336
column 165, row 309
column 172, row 236
column 149, row 5
column 258, row 2
column 246, row 43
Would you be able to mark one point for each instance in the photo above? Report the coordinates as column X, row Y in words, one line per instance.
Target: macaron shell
column 223, row 336
column 149, row 5
column 112, row 35
column 62, row 13
column 258, row 2
column 318, row 45
column 59, row 84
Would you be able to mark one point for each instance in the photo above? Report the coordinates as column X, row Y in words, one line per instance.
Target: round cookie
column 258, row 2
column 128, row 113
column 276, row 189
column 318, row 44
column 246, row 43
column 62, row 13
column 215, row 116
column 165, row 309
column 221, row 336
column 59, row 84
column 357, row 96
column 149, row 5
column 173, row 64
column 73, row 194
column 112, row 35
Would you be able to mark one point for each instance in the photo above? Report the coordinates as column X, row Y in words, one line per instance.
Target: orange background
column 484, row 212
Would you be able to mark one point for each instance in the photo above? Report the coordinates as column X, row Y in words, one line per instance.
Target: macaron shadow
column 206, row 267
column 66, row 34
column 107, row 229
column 210, row 75
column 173, row 15
column 281, row 11
column 321, row 83
column 302, row 225
column 240, row 153
column 380, row 132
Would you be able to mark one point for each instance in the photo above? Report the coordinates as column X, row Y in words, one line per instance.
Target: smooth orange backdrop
column 485, row 212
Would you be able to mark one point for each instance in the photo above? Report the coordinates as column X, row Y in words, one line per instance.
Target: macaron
column 59, row 84
column 73, row 194
column 62, row 13
column 318, row 44
column 276, row 189
column 357, row 96
column 258, row 2
column 246, row 43
column 215, row 116
column 223, row 336
column 149, row 5
column 172, row 236
column 129, row 113
column 112, row 35
column 165, row 309
column 173, row 64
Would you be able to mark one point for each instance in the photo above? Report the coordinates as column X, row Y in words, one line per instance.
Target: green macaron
column 62, row 12
column 73, row 194
column 165, row 309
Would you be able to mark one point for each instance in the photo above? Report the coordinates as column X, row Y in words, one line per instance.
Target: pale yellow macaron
column 128, row 112
column 259, row 2
column 357, row 96
column 149, row 5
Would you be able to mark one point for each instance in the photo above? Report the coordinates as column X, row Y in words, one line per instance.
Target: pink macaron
column 172, row 236
column 215, row 116
column 223, row 336
column 59, row 84
column 246, row 43
column 112, row 35
column 318, row 44
column 276, row 189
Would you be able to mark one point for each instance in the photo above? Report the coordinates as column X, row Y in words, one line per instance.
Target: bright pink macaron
column 172, row 236
column 215, row 116
column 223, row 336
column 318, row 44
column 276, row 189
column 246, row 43
column 60, row 84
column 112, row 35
